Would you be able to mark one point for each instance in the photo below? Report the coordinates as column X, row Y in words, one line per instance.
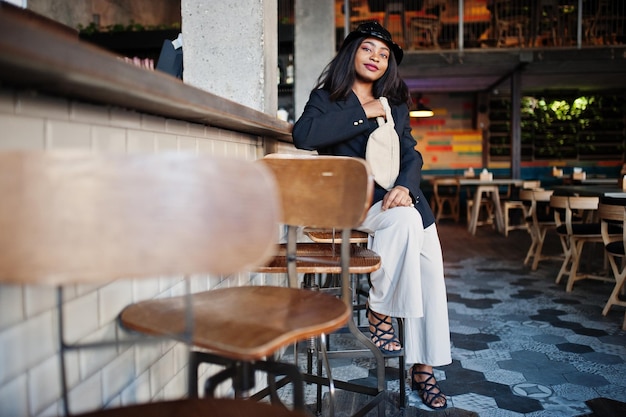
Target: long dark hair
column 339, row 76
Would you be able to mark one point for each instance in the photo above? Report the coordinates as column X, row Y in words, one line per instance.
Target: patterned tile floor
column 522, row 346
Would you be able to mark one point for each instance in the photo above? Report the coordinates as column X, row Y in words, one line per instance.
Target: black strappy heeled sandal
column 385, row 337
column 427, row 390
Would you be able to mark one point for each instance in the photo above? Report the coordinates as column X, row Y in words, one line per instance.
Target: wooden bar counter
column 41, row 54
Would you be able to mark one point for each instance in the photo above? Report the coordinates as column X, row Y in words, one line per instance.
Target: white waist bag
column 383, row 150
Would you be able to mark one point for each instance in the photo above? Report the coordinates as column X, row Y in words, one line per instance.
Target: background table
column 588, row 190
column 490, row 187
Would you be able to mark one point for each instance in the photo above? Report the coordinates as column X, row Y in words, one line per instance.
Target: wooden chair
column 510, row 21
column 328, row 192
column 396, row 7
column 541, row 220
column 602, row 26
column 241, row 329
column 426, row 25
column 446, row 192
column 575, row 227
column 565, row 219
column 517, row 204
column 613, row 214
column 84, row 218
column 526, row 197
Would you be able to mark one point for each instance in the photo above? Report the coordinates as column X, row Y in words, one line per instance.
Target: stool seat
column 330, row 236
column 244, row 323
column 323, row 258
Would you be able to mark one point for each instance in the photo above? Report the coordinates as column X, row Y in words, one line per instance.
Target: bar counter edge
column 40, row 54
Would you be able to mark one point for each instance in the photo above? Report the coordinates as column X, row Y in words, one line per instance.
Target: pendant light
column 420, row 110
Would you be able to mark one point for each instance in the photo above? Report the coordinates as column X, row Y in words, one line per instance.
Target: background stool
column 328, row 192
column 446, row 193
column 541, row 220
column 360, row 288
column 516, row 205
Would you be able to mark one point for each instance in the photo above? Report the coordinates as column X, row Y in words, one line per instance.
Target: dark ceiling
column 485, row 70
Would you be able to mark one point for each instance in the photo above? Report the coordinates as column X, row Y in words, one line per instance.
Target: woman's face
column 372, row 59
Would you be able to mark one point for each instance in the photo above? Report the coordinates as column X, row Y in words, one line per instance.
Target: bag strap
column 381, row 120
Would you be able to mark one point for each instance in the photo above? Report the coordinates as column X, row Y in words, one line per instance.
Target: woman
column 337, row 120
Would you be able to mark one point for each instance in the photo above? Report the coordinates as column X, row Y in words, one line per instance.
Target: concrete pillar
column 230, row 48
column 314, row 45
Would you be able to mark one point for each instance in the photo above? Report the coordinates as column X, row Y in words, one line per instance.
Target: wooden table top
column 598, row 190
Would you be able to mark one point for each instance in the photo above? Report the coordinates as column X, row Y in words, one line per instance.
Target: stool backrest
column 78, row 217
column 81, row 217
column 322, row 191
column 331, row 192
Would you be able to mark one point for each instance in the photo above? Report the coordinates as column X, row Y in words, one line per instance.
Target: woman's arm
column 410, row 175
column 325, row 123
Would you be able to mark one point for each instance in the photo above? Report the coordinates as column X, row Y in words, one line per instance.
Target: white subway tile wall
column 29, row 364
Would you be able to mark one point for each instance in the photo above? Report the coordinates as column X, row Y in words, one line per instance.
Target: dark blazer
column 341, row 128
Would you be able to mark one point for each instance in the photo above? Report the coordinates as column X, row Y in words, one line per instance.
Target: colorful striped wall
column 449, row 140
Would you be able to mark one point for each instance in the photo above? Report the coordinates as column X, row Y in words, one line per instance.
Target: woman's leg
column 424, row 382
column 428, row 337
column 394, row 230
column 398, row 236
column 410, row 284
column 382, row 331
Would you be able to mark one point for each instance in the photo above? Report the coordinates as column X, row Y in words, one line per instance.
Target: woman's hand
column 398, row 196
column 373, row 108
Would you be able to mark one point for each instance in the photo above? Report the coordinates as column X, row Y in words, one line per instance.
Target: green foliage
column 573, row 126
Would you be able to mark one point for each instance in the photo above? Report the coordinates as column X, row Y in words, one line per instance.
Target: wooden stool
column 446, row 193
column 86, row 218
column 328, row 192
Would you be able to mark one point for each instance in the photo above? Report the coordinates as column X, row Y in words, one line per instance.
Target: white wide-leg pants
column 410, row 284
